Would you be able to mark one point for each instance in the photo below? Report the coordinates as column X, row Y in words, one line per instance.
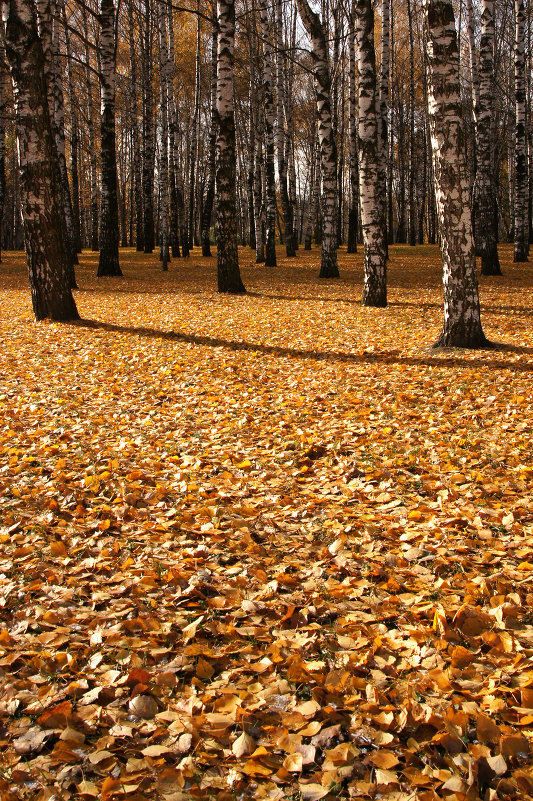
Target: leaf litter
column 269, row 546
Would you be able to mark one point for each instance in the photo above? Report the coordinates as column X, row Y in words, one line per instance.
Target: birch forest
column 176, row 128
column 266, row 416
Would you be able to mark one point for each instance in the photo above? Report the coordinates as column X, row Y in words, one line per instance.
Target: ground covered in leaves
column 268, row 547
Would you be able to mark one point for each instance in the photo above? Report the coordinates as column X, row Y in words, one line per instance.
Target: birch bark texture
column 40, row 183
column 229, row 277
column 371, row 183
column 485, row 186
column 268, row 104
column 462, row 318
column 521, row 196
column 109, row 235
column 328, row 147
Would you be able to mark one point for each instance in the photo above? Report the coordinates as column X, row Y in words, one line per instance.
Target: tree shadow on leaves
column 453, row 357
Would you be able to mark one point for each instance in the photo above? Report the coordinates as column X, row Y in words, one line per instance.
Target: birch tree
column 109, row 235
column 328, row 147
column 462, row 318
column 163, row 158
column 268, row 107
column 207, row 210
column 371, row 184
column 229, row 277
column 282, row 139
column 485, row 185
column 40, row 183
column 521, row 194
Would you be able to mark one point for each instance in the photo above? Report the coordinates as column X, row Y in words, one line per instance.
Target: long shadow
column 384, row 357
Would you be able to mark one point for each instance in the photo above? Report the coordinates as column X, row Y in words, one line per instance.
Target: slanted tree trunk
column 259, row 206
column 314, row 194
column 521, row 195
column 109, row 233
column 484, row 188
column 229, row 276
column 328, row 148
column 462, row 318
column 268, row 104
column 40, row 183
column 371, row 185
column 207, row 210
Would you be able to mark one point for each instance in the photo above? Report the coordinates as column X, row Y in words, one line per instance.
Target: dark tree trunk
column 229, row 277
column 109, row 232
column 40, row 182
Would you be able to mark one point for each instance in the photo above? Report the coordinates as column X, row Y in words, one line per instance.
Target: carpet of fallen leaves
column 267, row 547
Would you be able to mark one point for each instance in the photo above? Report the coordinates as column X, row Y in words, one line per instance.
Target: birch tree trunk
column 412, row 168
column 371, row 184
column 259, row 211
column 59, row 131
column 384, row 83
column 462, row 318
column 3, row 101
column 93, row 228
column 207, row 211
column 268, row 103
column 40, row 182
column 282, row 102
column 109, row 233
column 163, row 158
column 485, row 186
column 229, row 277
column 328, row 147
column 172, row 135
column 136, row 150
column 148, row 162
column 521, row 195
column 74, row 136
column 353, row 208
column 191, row 205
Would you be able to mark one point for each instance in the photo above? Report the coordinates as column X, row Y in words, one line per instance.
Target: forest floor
column 271, row 546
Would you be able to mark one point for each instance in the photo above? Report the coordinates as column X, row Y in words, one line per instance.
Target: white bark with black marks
column 371, row 183
column 229, row 277
column 462, row 318
column 485, row 190
column 268, row 106
column 521, row 194
column 328, row 148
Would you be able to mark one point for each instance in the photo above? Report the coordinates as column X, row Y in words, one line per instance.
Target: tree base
column 375, row 301
column 462, row 339
column 108, row 266
column 206, row 250
column 490, row 264
column 329, row 267
column 521, row 252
